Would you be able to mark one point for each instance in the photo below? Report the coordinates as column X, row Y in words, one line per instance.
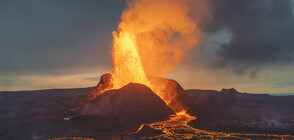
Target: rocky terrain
column 231, row 111
column 47, row 114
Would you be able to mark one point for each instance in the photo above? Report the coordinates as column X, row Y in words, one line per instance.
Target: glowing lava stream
column 177, row 128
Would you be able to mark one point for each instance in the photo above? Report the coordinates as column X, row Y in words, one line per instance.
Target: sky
column 248, row 45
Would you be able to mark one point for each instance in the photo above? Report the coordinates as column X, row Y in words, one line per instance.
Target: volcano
column 170, row 89
column 133, row 103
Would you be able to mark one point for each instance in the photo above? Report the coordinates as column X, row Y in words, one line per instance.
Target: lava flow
column 177, row 128
column 152, row 38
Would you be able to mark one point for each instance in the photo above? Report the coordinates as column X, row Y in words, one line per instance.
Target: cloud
column 262, row 33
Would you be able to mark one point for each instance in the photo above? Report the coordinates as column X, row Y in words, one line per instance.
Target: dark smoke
column 262, row 33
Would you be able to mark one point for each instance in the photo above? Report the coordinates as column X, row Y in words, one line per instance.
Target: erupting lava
column 151, row 40
column 127, row 62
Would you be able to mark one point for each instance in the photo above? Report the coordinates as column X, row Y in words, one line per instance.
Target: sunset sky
column 247, row 44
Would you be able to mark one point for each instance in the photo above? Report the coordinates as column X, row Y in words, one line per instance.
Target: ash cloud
column 262, row 33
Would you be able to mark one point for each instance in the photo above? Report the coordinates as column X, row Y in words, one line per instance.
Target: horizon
column 73, row 88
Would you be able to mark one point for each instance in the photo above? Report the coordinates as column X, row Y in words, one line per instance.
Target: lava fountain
column 151, row 39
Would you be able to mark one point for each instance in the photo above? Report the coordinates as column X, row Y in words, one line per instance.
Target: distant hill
column 281, row 94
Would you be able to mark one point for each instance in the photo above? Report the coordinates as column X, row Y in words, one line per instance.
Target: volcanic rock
column 104, row 84
column 133, row 103
column 172, row 90
column 229, row 91
column 147, row 131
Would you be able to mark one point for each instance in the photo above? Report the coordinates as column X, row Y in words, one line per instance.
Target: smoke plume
column 164, row 30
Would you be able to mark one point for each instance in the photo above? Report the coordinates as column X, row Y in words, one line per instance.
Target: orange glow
column 152, row 38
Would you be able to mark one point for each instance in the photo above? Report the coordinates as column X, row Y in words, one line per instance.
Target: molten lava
column 152, row 38
column 127, row 61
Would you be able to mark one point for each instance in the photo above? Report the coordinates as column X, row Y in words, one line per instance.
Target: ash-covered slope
column 133, row 103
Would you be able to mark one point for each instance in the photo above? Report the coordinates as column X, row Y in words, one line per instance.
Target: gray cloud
column 262, row 33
